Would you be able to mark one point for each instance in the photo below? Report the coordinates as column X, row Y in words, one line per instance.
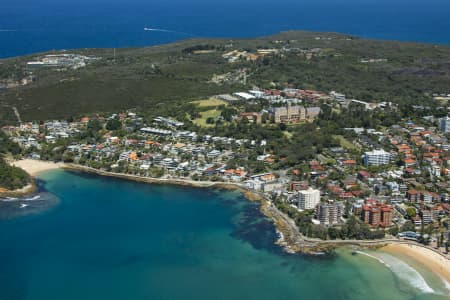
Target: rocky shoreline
column 29, row 189
column 290, row 239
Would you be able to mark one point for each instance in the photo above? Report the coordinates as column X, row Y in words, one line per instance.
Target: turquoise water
column 114, row 239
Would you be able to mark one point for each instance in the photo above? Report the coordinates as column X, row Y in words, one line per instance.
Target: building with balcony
column 330, row 213
column 377, row 158
column 308, row 199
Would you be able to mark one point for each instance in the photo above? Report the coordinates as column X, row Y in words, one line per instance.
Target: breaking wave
column 33, row 198
column 402, row 270
column 21, row 206
column 10, row 199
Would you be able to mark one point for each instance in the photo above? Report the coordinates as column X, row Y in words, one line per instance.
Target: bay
column 114, row 239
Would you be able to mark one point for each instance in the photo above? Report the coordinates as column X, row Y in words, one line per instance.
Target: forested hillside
column 162, row 78
column 11, row 178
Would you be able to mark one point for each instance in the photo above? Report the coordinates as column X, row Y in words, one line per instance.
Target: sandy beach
column 432, row 260
column 34, row 167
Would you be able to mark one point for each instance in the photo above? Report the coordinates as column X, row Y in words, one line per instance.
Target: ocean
column 30, row 26
column 106, row 238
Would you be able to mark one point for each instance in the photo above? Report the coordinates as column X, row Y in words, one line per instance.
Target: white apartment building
column 444, row 124
column 377, row 158
column 308, row 199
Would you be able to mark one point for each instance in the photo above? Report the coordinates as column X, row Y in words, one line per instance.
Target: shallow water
column 114, row 239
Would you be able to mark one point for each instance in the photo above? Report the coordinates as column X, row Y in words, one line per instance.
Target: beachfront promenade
column 302, row 241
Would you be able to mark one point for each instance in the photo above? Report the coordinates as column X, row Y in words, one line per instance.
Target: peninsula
column 343, row 140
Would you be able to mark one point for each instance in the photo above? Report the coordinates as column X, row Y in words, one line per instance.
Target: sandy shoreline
column 430, row 259
column 34, row 167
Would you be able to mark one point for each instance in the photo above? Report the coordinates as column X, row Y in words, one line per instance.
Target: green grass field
column 213, row 113
column 211, row 102
column 344, row 142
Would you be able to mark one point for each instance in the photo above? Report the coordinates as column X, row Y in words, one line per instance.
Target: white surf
column 402, row 270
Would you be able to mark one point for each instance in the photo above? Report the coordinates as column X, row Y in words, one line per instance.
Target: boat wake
column 166, row 30
column 403, row 271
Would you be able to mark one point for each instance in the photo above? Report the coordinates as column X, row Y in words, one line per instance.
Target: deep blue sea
column 113, row 239
column 28, row 26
